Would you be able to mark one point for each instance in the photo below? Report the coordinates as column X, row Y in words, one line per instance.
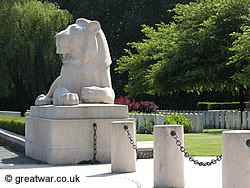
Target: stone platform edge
column 17, row 142
column 13, row 140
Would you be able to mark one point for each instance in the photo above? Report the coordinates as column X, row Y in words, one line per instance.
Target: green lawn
column 208, row 143
column 144, row 137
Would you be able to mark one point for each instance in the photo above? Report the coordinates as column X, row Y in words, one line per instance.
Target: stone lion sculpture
column 85, row 73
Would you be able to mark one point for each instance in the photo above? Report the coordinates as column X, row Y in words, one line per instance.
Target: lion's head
column 82, row 42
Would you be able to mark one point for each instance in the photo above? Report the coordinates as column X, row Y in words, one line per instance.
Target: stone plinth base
column 64, row 134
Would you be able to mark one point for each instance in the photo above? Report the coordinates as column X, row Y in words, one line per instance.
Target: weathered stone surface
column 81, row 111
column 168, row 160
column 123, row 156
column 236, row 159
column 64, row 134
column 85, row 74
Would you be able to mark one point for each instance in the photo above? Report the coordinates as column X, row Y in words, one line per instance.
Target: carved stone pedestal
column 64, row 134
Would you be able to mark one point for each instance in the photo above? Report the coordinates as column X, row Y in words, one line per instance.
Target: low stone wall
column 12, row 140
column 11, row 113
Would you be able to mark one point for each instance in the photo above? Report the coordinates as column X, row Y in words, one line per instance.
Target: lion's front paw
column 42, row 100
column 66, row 99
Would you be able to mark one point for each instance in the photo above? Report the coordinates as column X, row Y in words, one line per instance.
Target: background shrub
column 142, row 106
column 177, row 119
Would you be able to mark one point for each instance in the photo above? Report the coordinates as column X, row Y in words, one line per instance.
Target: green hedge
column 219, row 105
column 177, row 119
column 13, row 124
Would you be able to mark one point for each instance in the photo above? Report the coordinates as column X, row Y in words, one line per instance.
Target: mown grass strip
column 208, row 143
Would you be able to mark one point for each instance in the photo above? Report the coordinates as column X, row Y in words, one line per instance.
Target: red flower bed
column 142, row 106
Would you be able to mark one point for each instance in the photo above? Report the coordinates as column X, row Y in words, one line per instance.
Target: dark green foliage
column 28, row 60
column 241, row 57
column 177, row 119
column 13, row 124
column 190, row 54
column 219, row 106
column 189, row 101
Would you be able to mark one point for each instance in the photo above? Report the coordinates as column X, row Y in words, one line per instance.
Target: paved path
column 146, row 144
column 9, row 157
column 16, row 165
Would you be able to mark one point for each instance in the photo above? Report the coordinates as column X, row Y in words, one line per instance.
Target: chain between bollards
column 191, row 158
column 132, row 142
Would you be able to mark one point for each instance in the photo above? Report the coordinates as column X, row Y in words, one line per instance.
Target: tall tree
column 27, row 37
column 241, row 59
column 191, row 53
column 241, row 56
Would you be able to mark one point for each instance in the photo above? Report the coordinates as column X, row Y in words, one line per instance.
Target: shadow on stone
column 18, row 160
column 9, row 157
column 109, row 174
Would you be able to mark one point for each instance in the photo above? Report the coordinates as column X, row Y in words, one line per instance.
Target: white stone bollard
column 168, row 160
column 123, row 156
column 236, row 159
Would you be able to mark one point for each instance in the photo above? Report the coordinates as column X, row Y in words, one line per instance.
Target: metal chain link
column 134, row 145
column 95, row 143
column 93, row 160
column 191, row 158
